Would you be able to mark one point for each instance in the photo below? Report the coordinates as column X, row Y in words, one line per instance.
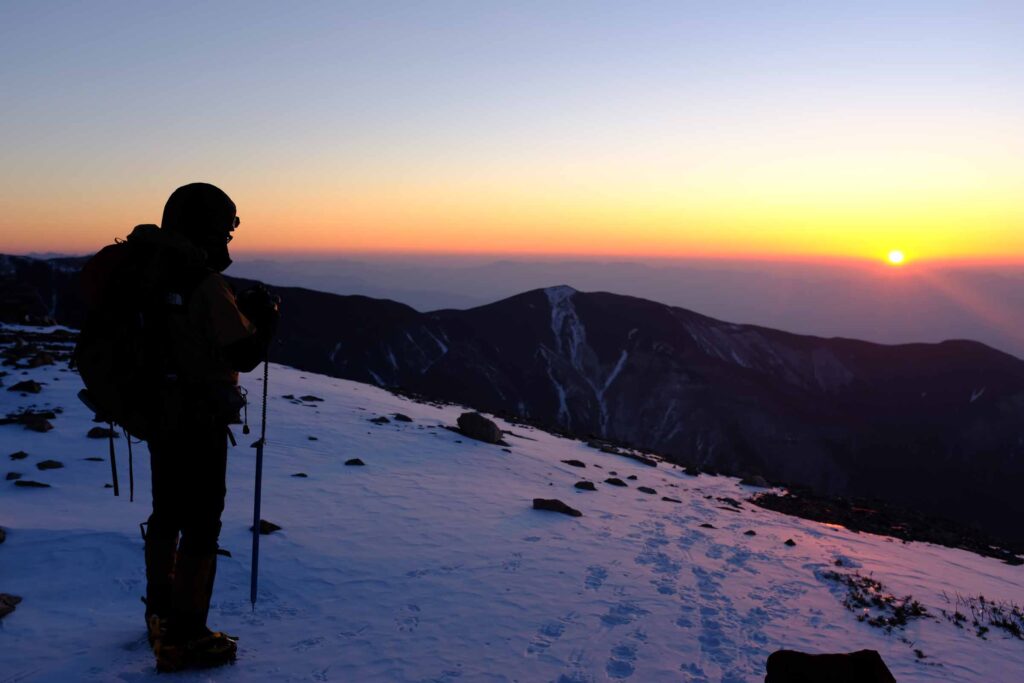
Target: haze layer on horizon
column 861, row 300
column 783, row 130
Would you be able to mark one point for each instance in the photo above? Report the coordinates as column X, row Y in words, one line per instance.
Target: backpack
column 132, row 289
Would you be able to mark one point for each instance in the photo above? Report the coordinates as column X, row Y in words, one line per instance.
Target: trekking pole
column 259, row 485
column 113, row 458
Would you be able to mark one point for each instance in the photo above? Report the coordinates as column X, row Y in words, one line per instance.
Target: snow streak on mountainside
column 428, row 563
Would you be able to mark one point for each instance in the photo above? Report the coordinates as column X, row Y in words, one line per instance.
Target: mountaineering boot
column 160, row 559
column 187, row 642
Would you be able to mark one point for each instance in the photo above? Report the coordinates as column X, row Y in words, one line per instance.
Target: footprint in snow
column 622, row 663
column 596, row 576
column 408, row 619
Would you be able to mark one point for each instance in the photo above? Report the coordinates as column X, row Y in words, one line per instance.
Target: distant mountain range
column 939, row 427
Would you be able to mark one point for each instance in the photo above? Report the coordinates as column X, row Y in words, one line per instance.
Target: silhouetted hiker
column 160, row 354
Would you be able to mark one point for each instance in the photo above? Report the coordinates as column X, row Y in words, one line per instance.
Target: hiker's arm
column 261, row 308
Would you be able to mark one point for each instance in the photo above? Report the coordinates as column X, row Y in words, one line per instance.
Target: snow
column 429, row 564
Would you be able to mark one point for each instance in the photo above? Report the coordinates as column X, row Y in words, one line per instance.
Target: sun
column 896, row 257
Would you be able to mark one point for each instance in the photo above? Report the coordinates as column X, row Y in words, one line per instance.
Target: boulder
column 476, row 426
column 102, row 433
column 575, row 463
column 7, row 603
column 671, row 500
column 29, row 386
column 755, row 480
column 29, row 484
column 614, row 481
column 19, row 455
column 555, row 505
column 354, row 462
column 49, row 465
column 310, row 398
column 93, row 458
column 646, row 489
column 790, row 542
column 267, row 527
column 585, row 486
column 400, row 417
column 379, row 420
column 705, row 525
column 863, row 666
column 11, row 476
column 300, row 475
column 750, row 532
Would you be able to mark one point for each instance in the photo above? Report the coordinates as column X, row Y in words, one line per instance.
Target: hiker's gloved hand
column 261, row 307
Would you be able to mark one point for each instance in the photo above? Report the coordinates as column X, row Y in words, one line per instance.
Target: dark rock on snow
column 755, row 480
column 790, row 542
column 614, row 481
column 29, row 386
column 631, row 477
column 354, row 462
column 400, row 417
column 7, row 603
column 19, row 455
column 750, row 532
column 11, row 476
column 863, row 666
column 585, row 486
column 379, row 420
column 93, row 458
column 646, row 489
column 29, row 484
column 301, row 475
column 555, row 505
column 575, row 463
column 223, row 552
column 267, row 527
column 101, row 433
column 705, row 525
column 476, row 426
column 309, row 398
column 49, row 465
column 670, row 500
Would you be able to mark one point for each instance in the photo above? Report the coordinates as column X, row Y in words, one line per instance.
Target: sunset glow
column 896, row 257
column 685, row 131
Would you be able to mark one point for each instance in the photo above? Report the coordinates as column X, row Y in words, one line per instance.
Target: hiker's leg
column 197, row 561
column 162, row 529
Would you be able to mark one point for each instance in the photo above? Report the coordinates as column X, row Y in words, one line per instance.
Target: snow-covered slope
column 428, row 564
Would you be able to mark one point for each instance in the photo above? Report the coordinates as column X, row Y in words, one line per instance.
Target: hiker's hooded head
column 206, row 216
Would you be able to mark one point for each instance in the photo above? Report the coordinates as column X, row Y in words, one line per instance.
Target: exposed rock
column 102, row 433
column 7, row 603
column 290, row 397
column 301, row 475
column 267, row 527
column 400, row 417
column 639, row 458
column 750, row 532
column 705, row 525
column 108, row 486
column 354, row 462
column 312, row 438
column 11, row 476
column 3, row 535
column 585, row 486
column 28, row 386
column 310, row 398
column 40, row 359
column 755, row 480
column 93, row 458
column 223, row 552
column 729, row 501
column 646, row 489
column 575, row 463
column 692, row 471
column 615, row 481
column 379, row 420
column 476, row 426
column 863, row 666
column 555, row 505
column 790, row 542
column 670, row 500
column 19, row 455
column 49, row 465
column 29, row 484
column 39, row 425
column 631, row 477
